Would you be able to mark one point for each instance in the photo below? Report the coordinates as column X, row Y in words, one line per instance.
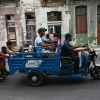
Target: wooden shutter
column 81, row 19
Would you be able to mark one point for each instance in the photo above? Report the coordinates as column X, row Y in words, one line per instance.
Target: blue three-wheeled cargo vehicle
column 37, row 65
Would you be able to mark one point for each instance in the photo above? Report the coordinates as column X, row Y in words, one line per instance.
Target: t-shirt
column 38, row 46
column 67, row 49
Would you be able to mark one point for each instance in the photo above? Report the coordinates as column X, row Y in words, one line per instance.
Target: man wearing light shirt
column 39, row 42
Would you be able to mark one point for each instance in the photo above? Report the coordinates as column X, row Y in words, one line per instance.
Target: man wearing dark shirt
column 69, row 51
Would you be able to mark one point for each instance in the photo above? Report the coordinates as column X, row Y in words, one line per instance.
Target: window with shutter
column 81, row 20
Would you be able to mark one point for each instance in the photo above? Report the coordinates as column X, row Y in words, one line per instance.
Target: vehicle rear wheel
column 35, row 78
column 95, row 72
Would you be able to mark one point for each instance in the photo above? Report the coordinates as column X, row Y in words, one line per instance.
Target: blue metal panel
column 27, row 62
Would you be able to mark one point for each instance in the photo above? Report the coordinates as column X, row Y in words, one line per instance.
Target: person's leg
column 76, row 62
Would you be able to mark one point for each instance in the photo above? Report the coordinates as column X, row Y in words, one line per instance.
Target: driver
column 69, row 51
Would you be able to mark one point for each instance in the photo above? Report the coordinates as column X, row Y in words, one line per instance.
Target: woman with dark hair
column 55, row 40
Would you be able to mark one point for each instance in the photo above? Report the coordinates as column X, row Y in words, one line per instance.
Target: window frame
column 81, row 19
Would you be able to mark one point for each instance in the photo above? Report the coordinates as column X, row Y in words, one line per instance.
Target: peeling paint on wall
column 2, row 36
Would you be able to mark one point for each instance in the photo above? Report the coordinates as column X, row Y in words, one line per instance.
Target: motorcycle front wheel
column 95, row 72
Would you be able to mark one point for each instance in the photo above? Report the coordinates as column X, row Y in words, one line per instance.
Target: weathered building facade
column 26, row 16
column 85, row 20
column 79, row 17
column 8, row 20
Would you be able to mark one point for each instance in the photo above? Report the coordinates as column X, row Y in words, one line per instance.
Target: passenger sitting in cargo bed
column 3, row 55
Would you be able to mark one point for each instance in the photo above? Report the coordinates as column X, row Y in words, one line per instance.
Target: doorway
column 55, row 29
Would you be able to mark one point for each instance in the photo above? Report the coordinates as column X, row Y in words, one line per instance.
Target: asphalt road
column 54, row 88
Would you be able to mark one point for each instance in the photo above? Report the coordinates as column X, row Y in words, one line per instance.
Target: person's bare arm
column 80, row 49
column 45, row 44
column 14, row 50
column 4, row 56
column 76, row 46
column 49, row 41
